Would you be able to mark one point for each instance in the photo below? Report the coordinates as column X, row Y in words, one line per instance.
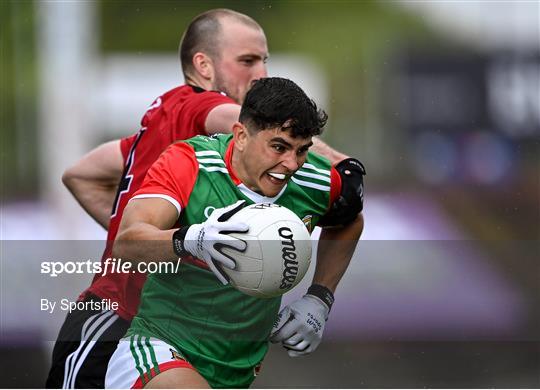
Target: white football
column 278, row 251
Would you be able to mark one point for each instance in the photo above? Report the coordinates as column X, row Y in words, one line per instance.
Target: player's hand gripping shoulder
column 346, row 207
column 204, row 240
column 300, row 326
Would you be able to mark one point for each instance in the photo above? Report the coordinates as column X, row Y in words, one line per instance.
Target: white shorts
column 138, row 359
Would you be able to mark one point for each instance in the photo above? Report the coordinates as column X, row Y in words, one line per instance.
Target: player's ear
column 204, row 66
column 240, row 135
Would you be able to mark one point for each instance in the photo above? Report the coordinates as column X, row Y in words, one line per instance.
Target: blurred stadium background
column 440, row 100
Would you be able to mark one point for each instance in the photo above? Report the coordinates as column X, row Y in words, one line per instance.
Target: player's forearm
column 142, row 242
column 95, row 198
column 93, row 180
column 335, row 250
column 330, row 153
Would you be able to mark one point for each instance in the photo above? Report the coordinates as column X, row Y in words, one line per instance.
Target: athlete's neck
column 199, row 82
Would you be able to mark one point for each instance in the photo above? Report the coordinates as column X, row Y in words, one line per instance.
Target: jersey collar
column 228, row 163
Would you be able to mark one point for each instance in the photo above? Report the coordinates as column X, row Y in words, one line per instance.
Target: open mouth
column 277, row 178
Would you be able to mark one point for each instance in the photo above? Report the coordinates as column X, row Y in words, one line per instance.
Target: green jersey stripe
column 313, row 176
column 214, row 169
column 207, row 153
column 210, row 161
column 314, row 168
column 303, row 183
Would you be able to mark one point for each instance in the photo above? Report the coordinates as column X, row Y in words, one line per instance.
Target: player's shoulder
column 177, row 151
column 192, row 93
column 178, row 94
column 215, row 142
column 318, row 161
column 182, row 94
column 314, row 176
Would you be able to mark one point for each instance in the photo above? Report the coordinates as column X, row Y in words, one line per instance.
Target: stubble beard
column 221, row 86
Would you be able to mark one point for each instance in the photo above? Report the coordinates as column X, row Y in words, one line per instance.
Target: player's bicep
column 109, row 159
column 104, row 163
column 155, row 211
column 222, row 118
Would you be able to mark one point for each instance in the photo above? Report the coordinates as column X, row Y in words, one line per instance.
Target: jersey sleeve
column 197, row 108
column 335, row 185
column 172, row 177
column 125, row 145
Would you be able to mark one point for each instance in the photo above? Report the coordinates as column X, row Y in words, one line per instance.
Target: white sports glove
column 300, row 325
column 204, row 240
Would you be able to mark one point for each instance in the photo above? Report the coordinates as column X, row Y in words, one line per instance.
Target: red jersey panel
column 173, row 175
column 178, row 114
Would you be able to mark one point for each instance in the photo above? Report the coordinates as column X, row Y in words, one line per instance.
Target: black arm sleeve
column 351, row 200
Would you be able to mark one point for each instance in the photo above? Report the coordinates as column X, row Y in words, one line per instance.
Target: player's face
column 270, row 158
column 242, row 59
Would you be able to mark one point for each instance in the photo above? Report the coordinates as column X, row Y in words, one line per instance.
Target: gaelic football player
column 192, row 329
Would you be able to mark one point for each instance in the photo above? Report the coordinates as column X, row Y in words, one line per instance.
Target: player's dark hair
column 277, row 102
column 203, row 35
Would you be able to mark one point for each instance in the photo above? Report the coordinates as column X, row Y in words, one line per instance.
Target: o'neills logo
column 288, row 254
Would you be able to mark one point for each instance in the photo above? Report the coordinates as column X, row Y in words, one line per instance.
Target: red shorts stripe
column 162, row 368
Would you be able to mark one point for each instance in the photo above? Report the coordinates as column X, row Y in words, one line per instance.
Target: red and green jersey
column 221, row 331
column 176, row 115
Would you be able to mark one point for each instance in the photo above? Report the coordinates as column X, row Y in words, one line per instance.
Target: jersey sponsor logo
column 288, row 255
